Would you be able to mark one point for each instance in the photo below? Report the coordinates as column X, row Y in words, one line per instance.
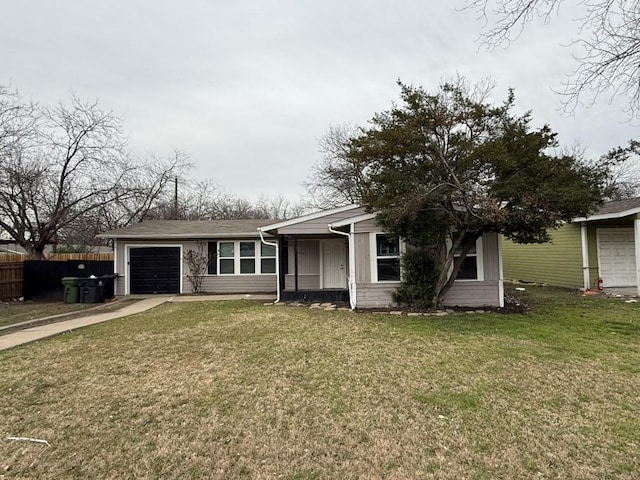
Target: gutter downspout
column 352, row 263
column 274, row 244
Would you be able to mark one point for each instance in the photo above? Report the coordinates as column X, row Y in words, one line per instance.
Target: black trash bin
column 91, row 290
column 109, row 285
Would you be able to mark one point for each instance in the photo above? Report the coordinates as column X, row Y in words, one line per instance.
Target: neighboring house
column 604, row 245
column 149, row 256
column 334, row 255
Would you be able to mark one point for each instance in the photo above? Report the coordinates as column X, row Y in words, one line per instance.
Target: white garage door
column 617, row 257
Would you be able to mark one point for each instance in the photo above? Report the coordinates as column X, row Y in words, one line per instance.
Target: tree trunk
column 446, row 281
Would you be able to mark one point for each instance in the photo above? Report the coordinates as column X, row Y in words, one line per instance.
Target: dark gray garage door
column 154, row 270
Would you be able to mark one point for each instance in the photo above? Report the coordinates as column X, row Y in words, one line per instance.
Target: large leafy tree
column 442, row 168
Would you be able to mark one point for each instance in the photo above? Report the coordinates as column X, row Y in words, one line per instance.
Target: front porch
column 314, row 269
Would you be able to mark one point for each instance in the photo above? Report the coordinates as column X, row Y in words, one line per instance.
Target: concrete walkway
column 32, row 334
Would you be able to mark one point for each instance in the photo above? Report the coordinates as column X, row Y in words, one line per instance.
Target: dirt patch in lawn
column 15, row 312
column 36, row 314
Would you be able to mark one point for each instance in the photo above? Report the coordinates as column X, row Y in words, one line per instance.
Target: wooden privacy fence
column 98, row 257
column 11, row 275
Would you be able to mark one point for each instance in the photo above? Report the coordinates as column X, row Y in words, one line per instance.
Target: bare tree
column 337, row 179
column 278, row 207
column 204, row 200
column 609, row 62
column 60, row 166
column 624, row 181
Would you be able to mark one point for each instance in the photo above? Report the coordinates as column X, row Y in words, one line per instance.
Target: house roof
column 188, row 229
column 306, row 218
column 614, row 209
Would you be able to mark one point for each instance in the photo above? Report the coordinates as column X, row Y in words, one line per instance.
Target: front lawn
column 235, row 390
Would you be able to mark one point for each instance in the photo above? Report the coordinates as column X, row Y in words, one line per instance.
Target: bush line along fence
column 12, row 276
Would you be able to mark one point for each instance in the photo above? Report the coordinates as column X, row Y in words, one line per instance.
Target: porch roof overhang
column 306, row 218
column 356, row 219
column 607, row 216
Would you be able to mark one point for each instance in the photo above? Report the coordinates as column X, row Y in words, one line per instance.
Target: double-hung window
column 226, row 258
column 247, row 257
column 471, row 268
column 241, row 257
column 267, row 258
column 386, row 256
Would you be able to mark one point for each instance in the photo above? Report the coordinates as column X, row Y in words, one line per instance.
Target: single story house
column 604, row 245
column 340, row 254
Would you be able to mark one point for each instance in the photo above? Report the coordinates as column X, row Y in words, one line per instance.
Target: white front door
column 334, row 268
column 617, row 257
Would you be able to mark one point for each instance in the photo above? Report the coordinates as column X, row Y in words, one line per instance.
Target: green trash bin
column 71, row 289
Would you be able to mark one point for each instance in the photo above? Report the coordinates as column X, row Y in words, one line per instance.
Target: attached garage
column 154, row 269
column 617, row 257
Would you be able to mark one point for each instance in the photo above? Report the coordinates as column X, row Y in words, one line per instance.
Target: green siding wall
column 556, row 263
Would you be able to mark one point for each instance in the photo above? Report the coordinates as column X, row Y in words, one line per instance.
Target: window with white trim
column 226, row 258
column 267, row 258
column 242, row 257
column 387, row 258
column 471, row 268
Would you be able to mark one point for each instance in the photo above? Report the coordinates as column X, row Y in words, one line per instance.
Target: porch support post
column 636, row 241
column 295, row 261
column 282, row 262
column 585, row 256
column 115, row 267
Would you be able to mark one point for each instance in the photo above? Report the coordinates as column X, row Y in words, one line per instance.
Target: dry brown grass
column 15, row 312
column 237, row 390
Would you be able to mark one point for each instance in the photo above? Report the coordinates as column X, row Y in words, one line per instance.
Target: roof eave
column 608, row 216
column 179, row 236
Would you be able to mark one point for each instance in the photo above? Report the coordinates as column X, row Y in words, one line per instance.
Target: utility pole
column 175, row 200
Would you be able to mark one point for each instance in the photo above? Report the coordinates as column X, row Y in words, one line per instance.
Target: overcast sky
column 247, row 88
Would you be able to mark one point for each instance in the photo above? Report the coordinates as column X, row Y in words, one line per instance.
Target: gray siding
column 308, row 257
column 211, row 283
column 305, row 282
column 375, row 295
column 474, row 294
column 319, row 225
column 463, row 293
column 367, row 226
column 236, row 284
column 363, row 258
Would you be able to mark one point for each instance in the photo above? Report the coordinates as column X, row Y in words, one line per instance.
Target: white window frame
column 479, row 264
column 373, row 254
column 257, row 258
